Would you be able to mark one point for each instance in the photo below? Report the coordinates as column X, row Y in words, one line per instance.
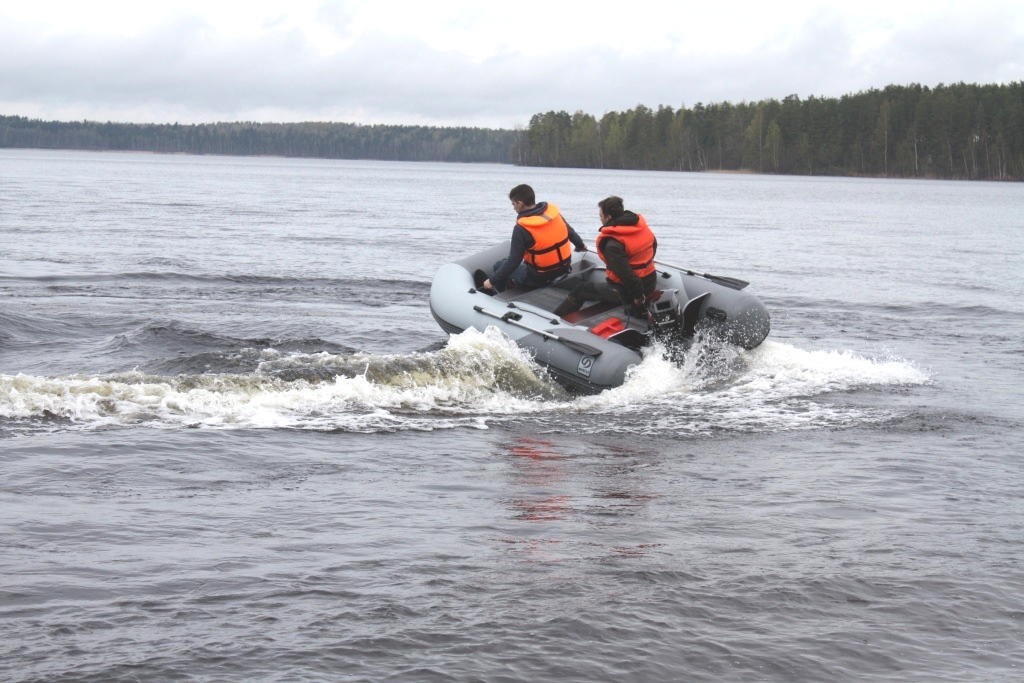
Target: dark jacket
column 618, row 261
column 523, row 240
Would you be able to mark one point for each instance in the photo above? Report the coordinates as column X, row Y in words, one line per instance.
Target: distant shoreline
column 956, row 132
column 221, row 155
column 962, row 131
column 299, row 140
column 739, row 172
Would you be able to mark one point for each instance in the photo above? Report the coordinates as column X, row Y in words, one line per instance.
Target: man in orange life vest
column 540, row 249
column 627, row 246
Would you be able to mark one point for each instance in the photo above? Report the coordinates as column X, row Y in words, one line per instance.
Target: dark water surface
column 234, row 445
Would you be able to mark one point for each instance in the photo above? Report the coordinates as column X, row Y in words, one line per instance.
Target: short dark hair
column 524, row 194
column 612, row 207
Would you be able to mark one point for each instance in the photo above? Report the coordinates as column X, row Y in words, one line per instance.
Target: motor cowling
column 666, row 315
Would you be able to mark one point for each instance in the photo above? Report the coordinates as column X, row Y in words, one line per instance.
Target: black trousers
column 597, row 291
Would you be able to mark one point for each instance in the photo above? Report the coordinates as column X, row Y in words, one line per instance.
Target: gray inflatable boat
column 591, row 350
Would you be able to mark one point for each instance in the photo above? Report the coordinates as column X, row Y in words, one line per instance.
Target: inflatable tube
column 588, row 351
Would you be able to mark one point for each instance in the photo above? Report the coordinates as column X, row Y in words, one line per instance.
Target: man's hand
column 639, row 307
column 487, row 284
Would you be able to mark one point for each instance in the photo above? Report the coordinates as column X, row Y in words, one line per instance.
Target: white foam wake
column 771, row 388
column 476, row 374
column 476, row 378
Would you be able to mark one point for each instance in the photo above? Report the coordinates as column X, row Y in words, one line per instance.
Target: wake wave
column 241, row 278
column 775, row 387
column 477, row 379
column 476, row 374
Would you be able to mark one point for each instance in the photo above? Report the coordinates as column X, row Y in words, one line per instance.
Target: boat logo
column 586, row 363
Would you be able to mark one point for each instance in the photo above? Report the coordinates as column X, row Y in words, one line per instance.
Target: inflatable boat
column 591, row 350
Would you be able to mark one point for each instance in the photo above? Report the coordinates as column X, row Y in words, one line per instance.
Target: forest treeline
column 961, row 131
column 321, row 140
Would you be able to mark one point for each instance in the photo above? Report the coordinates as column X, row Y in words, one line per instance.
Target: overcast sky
column 450, row 62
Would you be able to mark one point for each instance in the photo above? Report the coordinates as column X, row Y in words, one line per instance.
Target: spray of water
column 478, row 378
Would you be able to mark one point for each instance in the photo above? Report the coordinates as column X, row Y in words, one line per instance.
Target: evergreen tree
column 955, row 131
column 962, row 130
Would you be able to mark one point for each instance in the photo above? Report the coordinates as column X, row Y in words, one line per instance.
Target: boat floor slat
column 547, row 298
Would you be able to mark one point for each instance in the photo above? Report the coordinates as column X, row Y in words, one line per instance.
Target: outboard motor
column 666, row 316
column 672, row 322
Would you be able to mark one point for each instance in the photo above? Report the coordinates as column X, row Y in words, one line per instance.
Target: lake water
column 234, row 444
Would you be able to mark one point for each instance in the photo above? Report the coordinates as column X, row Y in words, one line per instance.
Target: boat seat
column 562, row 282
column 601, row 307
column 574, row 276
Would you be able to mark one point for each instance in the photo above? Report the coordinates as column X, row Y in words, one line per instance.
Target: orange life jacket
column 551, row 251
column 639, row 243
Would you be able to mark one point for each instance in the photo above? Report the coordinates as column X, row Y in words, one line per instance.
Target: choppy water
column 235, row 445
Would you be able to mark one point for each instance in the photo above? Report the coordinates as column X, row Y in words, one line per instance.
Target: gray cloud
column 957, row 48
column 184, row 71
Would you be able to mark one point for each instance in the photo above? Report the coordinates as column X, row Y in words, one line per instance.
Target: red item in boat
column 608, row 328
